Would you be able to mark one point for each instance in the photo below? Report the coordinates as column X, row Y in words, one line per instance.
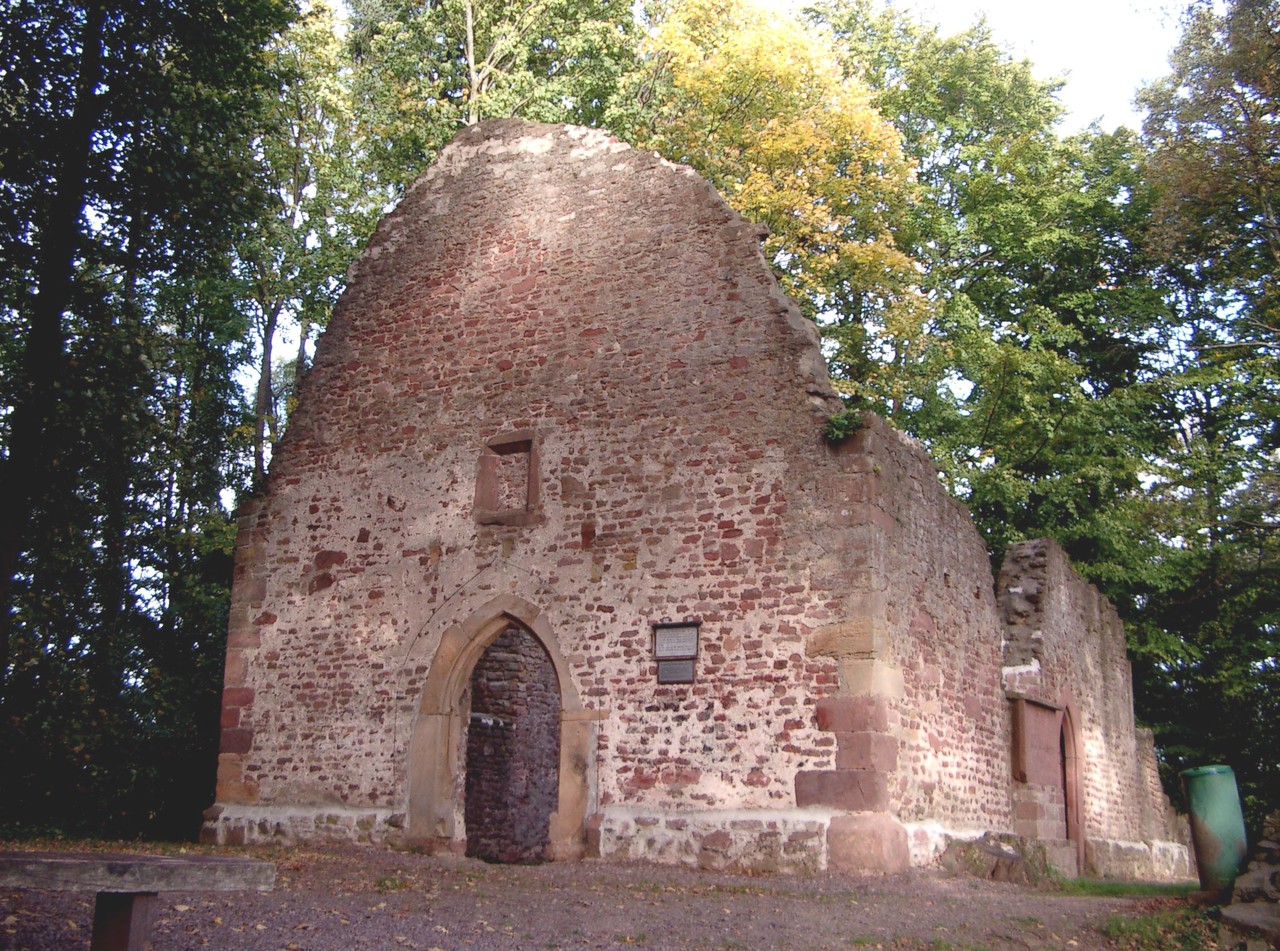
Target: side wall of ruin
column 1065, row 648
column 921, row 639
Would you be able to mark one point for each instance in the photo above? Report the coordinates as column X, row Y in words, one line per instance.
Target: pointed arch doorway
column 438, row 750
column 1047, row 791
column 512, row 750
column 1073, row 807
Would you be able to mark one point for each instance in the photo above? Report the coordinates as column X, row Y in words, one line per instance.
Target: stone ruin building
column 555, row 561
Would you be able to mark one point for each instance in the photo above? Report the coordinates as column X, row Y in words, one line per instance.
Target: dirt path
column 350, row 899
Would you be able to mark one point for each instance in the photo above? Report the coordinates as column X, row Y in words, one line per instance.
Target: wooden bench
column 127, row 885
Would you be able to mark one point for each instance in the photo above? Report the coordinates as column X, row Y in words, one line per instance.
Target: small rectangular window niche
column 507, row 481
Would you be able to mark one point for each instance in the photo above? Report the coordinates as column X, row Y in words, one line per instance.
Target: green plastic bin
column 1217, row 825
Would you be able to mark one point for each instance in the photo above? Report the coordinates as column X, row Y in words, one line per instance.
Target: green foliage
column 1205, row 638
column 322, row 204
column 1108, row 888
column 756, row 102
column 1179, row 927
column 1029, row 385
column 424, row 70
column 842, row 425
column 124, row 184
column 1213, row 129
column 1091, row 377
column 394, row 882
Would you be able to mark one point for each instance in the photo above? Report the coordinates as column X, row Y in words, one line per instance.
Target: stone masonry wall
column 1065, row 647
column 608, row 305
column 921, row 643
column 563, row 378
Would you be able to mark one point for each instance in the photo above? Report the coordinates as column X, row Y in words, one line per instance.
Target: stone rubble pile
column 1261, row 881
column 1255, row 907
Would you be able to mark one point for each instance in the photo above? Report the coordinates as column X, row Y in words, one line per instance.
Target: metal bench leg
column 122, row 921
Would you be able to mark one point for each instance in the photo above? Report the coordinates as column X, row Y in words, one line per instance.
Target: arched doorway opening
column 1071, row 785
column 1047, row 793
column 436, row 770
column 512, row 758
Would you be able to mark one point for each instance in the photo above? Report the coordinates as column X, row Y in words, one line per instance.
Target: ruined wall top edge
column 599, row 213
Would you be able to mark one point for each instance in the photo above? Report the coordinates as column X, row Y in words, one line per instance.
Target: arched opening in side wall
column 1047, row 800
column 512, row 750
column 1069, row 747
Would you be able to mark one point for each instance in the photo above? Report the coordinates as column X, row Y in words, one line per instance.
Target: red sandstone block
column 756, row 778
column 867, row 844
column 239, row 740
column 252, row 591
column 865, row 750
column 236, row 791
column 240, row 636
column 237, row 697
column 236, row 667
column 856, row 790
column 1029, row 810
column 1026, row 828
column 853, row 714
column 235, row 836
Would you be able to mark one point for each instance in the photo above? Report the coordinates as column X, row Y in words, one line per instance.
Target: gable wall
column 609, row 311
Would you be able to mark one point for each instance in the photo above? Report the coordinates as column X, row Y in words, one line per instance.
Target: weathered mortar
column 563, row 390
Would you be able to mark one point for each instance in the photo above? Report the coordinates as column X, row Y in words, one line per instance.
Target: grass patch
column 1172, row 929
column 1103, row 888
column 394, row 882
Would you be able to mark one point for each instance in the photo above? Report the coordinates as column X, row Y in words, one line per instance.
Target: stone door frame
column 1073, row 787
column 437, row 748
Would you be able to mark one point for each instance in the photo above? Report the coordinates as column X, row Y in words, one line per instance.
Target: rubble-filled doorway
column 512, row 750
column 437, row 754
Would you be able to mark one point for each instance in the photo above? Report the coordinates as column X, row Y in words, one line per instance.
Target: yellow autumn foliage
column 756, row 102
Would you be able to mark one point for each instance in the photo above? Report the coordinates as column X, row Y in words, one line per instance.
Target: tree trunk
column 34, row 443
column 473, row 79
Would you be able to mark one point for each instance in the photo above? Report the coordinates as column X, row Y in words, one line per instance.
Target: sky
column 1106, row 49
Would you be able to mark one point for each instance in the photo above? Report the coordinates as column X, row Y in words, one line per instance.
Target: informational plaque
column 675, row 641
column 675, row 671
column 675, row 647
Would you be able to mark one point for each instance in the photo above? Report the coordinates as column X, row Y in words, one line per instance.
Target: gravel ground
column 347, row 899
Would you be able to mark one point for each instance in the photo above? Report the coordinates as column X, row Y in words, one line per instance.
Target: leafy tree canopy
column 122, row 185
column 423, row 70
column 756, row 102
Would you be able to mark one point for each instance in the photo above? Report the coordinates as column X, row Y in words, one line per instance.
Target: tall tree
column 1214, row 132
column 322, row 204
column 423, row 70
column 1029, row 391
column 123, row 176
column 756, row 103
column 1209, row 647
